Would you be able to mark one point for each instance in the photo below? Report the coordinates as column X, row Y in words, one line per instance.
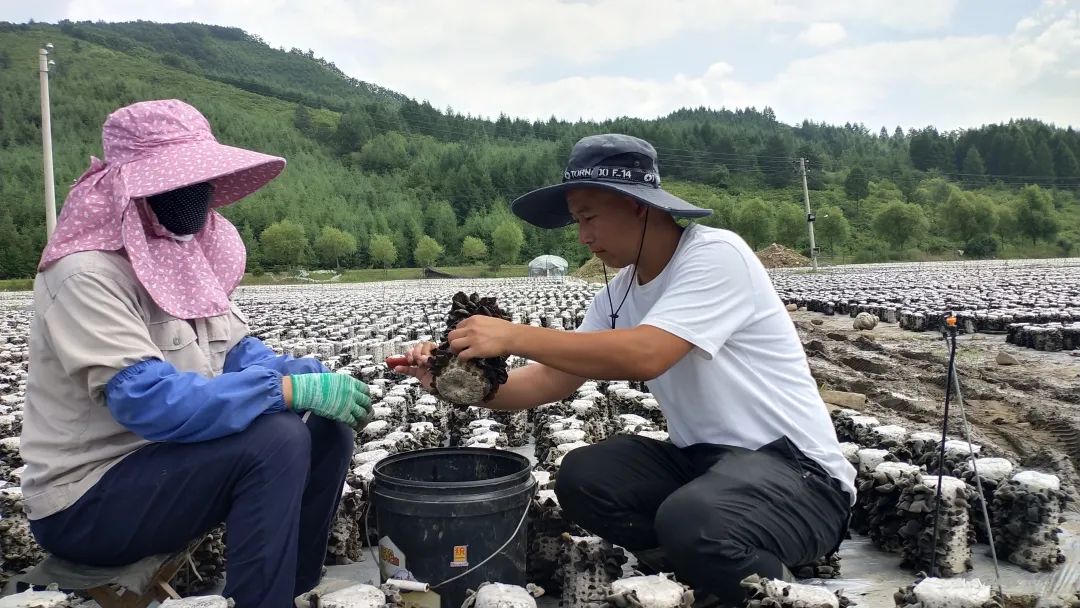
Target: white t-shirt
column 746, row 382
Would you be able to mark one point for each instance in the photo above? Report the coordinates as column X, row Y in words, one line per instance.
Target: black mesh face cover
column 183, row 211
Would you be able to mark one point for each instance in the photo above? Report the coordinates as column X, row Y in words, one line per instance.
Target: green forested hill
column 232, row 56
column 375, row 178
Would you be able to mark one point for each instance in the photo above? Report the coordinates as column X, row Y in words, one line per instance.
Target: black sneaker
column 652, row 561
column 708, row 600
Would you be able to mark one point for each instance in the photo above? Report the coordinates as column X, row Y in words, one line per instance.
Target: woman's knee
column 336, row 439
column 282, row 435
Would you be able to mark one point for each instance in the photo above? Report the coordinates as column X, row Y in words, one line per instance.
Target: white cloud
column 429, row 38
column 490, row 56
column 823, row 34
column 906, row 16
column 948, row 82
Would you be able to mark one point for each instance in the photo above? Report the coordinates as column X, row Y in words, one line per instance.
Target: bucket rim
column 379, row 474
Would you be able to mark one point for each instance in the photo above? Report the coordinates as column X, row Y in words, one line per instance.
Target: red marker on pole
column 397, row 361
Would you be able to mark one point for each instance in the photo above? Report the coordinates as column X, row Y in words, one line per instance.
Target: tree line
column 286, row 243
column 375, row 179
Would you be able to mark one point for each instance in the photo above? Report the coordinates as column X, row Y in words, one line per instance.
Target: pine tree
column 972, row 168
column 1066, row 167
column 1044, row 160
column 12, row 248
column 921, row 150
column 302, row 119
column 777, row 171
column 973, row 163
column 1021, row 157
column 857, row 184
column 254, row 259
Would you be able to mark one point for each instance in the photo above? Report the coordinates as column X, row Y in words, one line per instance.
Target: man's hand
column 479, row 337
column 417, row 367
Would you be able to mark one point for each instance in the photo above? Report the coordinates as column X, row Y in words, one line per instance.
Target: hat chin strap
column 630, row 283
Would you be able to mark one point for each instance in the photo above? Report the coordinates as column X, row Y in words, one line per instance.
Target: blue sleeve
column 158, row 403
column 252, row 352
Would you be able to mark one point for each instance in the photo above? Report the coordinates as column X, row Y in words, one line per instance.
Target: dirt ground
column 1029, row 411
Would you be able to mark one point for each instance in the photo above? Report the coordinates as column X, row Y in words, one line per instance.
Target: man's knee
column 573, row 479
column 706, row 545
column 583, row 476
column 679, row 524
column 568, row 480
column 688, row 524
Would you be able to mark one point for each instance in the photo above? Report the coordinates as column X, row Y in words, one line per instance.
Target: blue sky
column 912, row 63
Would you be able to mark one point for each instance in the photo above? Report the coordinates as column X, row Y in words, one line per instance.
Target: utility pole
column 46, row 140
column 809, row 215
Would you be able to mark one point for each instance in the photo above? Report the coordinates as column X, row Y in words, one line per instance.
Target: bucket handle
column 521, row 522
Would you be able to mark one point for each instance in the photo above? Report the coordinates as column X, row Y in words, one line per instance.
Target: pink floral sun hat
column 153, row 147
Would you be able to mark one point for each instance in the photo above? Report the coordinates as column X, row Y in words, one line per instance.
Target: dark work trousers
column 276, row 485
column 719, row 513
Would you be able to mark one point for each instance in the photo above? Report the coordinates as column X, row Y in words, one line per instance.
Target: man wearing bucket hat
column 151, row 415
column 752, row 480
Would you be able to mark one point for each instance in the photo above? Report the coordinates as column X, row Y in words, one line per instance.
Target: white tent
column 548, row 266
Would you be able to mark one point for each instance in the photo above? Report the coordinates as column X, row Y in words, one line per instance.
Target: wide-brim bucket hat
column 153, row 147
column 163, row 145
column 615, row 162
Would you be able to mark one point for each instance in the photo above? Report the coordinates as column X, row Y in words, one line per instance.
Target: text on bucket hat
column 621, row 163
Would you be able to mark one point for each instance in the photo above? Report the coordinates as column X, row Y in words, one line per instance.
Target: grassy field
column 16, row 284
column 358, row 275
column 367, row 275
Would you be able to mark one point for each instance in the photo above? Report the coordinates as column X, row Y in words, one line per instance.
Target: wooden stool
column 134, row 585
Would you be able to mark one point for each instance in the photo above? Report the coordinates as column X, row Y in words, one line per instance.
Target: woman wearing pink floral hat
column 151, row 416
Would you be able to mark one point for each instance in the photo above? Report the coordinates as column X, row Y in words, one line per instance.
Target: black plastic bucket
column 442, row 511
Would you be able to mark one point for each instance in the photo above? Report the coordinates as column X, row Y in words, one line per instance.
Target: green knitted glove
column 336, row 396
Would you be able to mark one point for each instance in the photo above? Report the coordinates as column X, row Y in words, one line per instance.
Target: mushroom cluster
column 474, row 381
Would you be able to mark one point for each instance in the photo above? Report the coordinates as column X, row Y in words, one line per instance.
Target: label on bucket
column 461, row 556
column 392, row 561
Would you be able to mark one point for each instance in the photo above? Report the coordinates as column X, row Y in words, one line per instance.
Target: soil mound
column 593, row 271
column 778, row 256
